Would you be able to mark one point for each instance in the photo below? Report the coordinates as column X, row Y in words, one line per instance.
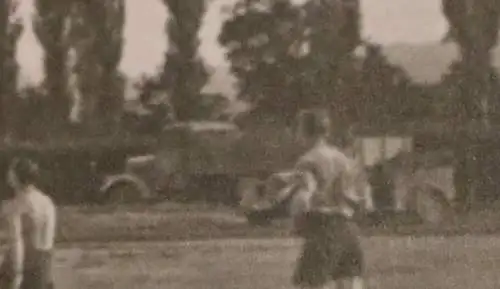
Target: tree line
column 288, row 57
column 285, row 57
column 82, row 42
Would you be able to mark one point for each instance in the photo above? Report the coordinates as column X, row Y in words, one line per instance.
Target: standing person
column 326, row 198
column 31, row 218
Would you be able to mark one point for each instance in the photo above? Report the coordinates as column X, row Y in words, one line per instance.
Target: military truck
column 419, row 181
column 209, row 160
column 83, row 169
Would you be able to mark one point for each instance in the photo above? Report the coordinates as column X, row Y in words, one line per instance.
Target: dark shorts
column 37, row 271
column 331, row 251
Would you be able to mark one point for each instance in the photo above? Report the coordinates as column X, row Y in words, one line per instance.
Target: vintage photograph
column 249, row 144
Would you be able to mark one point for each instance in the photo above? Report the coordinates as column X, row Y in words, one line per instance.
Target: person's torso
column 38, row 217
column 333, row 171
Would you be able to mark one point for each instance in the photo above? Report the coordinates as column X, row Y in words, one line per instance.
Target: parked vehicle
column 211, row 161
column 189, row 162
column 90, row 169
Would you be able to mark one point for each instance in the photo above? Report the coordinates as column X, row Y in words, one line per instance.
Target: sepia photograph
column 249, row 144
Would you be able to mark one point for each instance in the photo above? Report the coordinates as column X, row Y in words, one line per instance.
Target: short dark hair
column 343, row 138
column 315, row 123
column 26, row 170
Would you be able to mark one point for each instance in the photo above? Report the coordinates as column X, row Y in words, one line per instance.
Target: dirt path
column 404, row 262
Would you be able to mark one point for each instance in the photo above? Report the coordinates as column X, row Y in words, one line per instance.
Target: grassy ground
column 393, row 262
column 174, row 222
column 98, row 249
column 406, row 257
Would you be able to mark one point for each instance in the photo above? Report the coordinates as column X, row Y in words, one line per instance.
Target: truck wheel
column 432, row 205
column 123, row 193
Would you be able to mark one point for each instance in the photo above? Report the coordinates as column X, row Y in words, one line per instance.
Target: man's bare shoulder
column 337, row 155
column 41, row 201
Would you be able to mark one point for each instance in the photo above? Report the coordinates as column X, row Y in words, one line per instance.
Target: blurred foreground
column 393, row 263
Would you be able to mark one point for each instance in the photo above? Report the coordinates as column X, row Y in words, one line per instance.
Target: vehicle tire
column 123, row 193
column 431, row 205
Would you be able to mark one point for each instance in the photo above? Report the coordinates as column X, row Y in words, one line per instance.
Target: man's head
column 313, row 124
column 316, row 124
column 344, row 139
column 22, row 172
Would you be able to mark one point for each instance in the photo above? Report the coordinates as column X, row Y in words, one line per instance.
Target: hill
column 425, row 63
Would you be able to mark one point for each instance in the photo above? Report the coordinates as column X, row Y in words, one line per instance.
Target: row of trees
column 284, row 56
column 82, row 42
column 289, row 56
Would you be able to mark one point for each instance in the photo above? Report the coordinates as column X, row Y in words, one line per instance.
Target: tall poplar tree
column 184, row 74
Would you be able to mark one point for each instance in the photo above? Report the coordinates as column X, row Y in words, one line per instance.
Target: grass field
column 393, row 262
column 155, row 246
column 93, row 254
column 165, row 221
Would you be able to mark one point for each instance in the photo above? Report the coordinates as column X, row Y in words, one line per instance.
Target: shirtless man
column 327, row 196
column 31, row 218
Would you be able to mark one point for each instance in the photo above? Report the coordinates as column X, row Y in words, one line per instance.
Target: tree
column 50, row 25
column 213, row 106
column 288, row 57
column 153, row 111
column 10, row 31
column 109, row 23
column 472, row 82
column 28, row 111
column 334, row 35
column 474, row 28
column 386, row 88
column 264, row 51
column 184, row 74
column 97, row 37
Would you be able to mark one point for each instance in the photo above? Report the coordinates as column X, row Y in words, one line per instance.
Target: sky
column 384, row 21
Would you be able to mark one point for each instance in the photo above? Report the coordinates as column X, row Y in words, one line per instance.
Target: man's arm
column 306, row 185
column 51, row 222
column 16, row 244
column 353, row 187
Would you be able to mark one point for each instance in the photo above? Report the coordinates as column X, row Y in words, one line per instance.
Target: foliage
column 471, row 81
column 50, row 24
column 266, row 43
column 213, row 106
column 333, row 37
column 29, row 110
column 97, row 37
column 387, row 92
column 471, row 84
column 11, row 29
column 262, row 48
column 184, row 74
column 154, row 110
